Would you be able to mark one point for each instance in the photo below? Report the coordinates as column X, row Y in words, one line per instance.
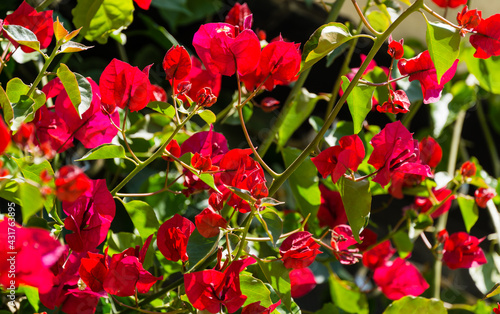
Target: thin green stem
column 4, row 55
column 137, row 160
column 376, row 46
column 441, row 224
column 157, row 154
column 297, row 87
column 45, row 4
column 409, row 116
column 363, row 18
column 243, row 241
column 41, row 74
column 495, row 159
column 439, row 17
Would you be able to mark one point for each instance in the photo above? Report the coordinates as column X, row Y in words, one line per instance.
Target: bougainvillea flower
column 468, row 20
column 343, row 245
column 398, row 103
column 205, row 97
column 94, row 127
column 269, row 104
column 176, row 63
column 468, row 169
column 199, row 77
column 486, row 37
column 34, row 251
column 331, row 210
column 425, row 203
column 89, row 217
column 240, row 16
column 173, row 237
column 442, row 236
column 256, row 308
column 71, row 182
column 40, row 23
column 4, row 136
column 449, row 3
column 239, row 170
column 368, row 239
column 483, row 195
column 223, row 50
column 126, row 272
column 24, row 136
column 396, row 48
column 211, row 289
column 93, row 270
column 67, row 292
column 124, row 85
column 395, row 149
column 299, row 250
column 336, row 160
column 430, row 152
column 302, row 281
column 143, row 4
column 421, row 68
column 157, row 94
column 462, row 250
column 378, row 255
column 399, row 278
column 208, row 223
column 173, row 149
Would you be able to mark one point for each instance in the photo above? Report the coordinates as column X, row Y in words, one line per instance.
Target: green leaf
column 300, row 109
column 323, row 41
column 444, row 46
column 24, row 108
column 487, row 71
column 303, row 182
column 278, row 276
column 8, row 111
column 72, row 46
column 403, row 243
column 143, row 216
column 469, row 211
column 495, row 290
column 255, row 290
column 77, row 87
column 273, row 225
column 359, row 102
column 328, row 308
column 377, row 75
column 99, row 18
column 378, row 20
column 357, row 202
column 104, row 151
column 32, row 296
column 205, row 177
column 22, row 36
column 208, row 116
column 199, row 247
column 346, row 295
column 32, row 172
column 416, row 305
column 31, row 200
column 163, row 108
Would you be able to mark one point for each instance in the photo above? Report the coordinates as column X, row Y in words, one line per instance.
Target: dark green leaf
column 469, row 210
column 199, row 247
column 105, row 151
column 143, row 216
column 495, row 290
column 278, row 276
column 359, row 102
column 377, row 75
column 416, row 305
column 444, row 46
column 328, row 308
column 273, row 225
column 8, row 111
column 357, row 202
column 22, row 36
column 24, row 108
column 304, row 183
column 323, row 41
column 346, row 295
column 300, row 109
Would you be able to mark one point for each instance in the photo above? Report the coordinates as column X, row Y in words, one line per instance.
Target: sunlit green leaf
column 104, row 151
column 444, row 46
column 359, row 102
column 469, row 211
column 416, row 305
column 346, row 295
column 277, row 275
column 255, row 290
column 22, row 36
column 143, row 217
column 487, row 71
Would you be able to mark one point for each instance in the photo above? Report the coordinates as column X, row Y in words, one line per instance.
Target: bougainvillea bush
column 147, row 187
